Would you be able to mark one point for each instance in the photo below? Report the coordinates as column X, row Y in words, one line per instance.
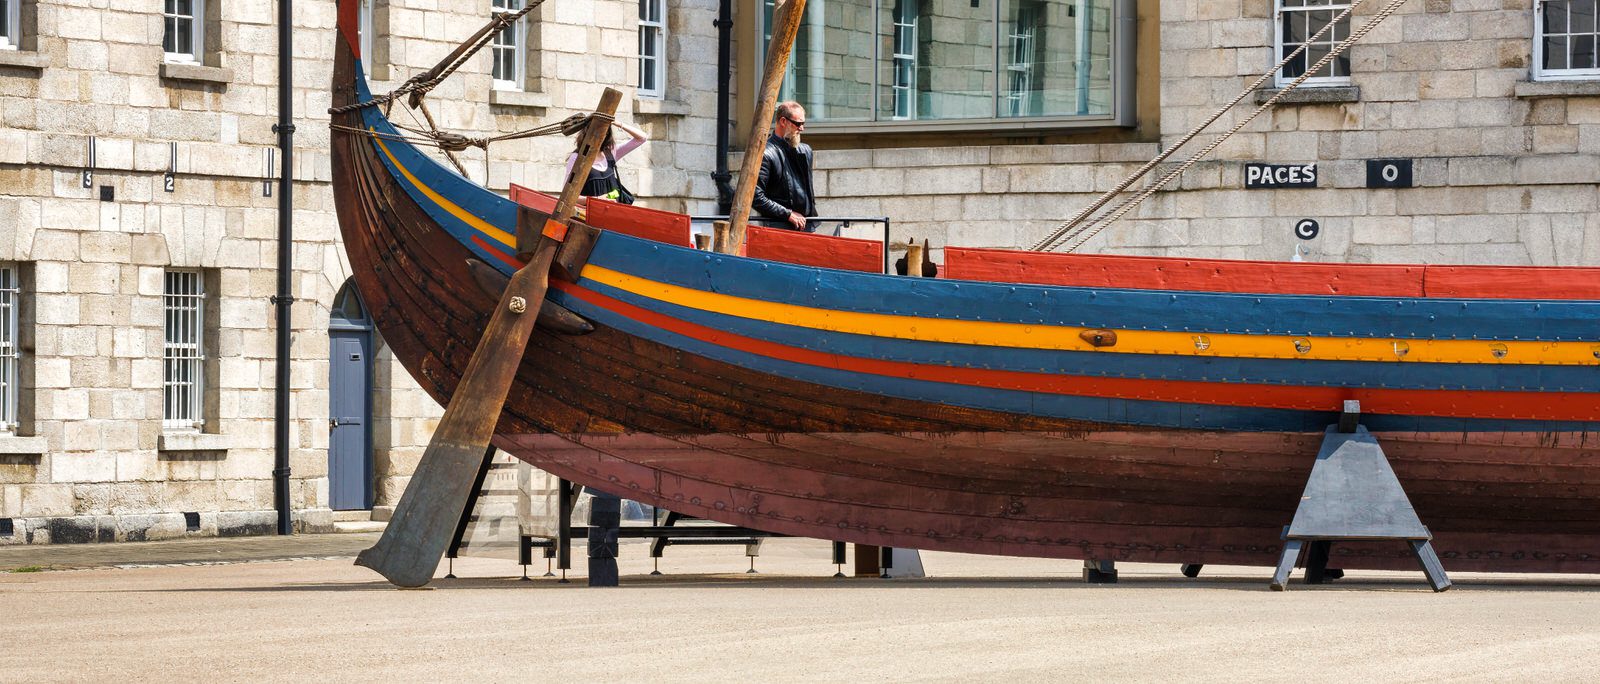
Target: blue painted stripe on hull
column 1429, row 376
column 1091, row 409
column 1102, row 307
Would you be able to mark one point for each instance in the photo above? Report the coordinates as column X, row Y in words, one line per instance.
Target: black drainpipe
column 285, row 130
column 724, row 24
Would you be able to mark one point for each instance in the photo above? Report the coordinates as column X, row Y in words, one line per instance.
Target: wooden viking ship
column 1028, row 404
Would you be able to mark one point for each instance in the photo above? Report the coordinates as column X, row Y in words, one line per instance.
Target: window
column 9, row 343
column 652, row 48
column 10, row 24
column 365, row 28
column 959, row 64
column 185, row 29
column 1298, row 21
column 183, row 353
column 508, row 48
column 1565, row 36
column 904, row 67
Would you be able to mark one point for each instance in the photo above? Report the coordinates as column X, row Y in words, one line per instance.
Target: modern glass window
column 953, row 62
column 10, row 292
column 10, row 24
column 185, row 23
column 1298, row 21
column 1566, row 36
column 183, row 353
column 509, row 47
column 652, row 48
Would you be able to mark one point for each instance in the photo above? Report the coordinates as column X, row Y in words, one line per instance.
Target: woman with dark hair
column 604, row 180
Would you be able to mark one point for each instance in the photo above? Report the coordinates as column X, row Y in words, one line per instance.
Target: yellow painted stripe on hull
column 466, row 217
column 1026, row 336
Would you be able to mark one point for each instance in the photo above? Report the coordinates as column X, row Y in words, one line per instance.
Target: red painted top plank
column 650, row 224
column 1513, row 282
column 1272, row 277
column 1161, row 273
column 533, row 199
column 810, row 249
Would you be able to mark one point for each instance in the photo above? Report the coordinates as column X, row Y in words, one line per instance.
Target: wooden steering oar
column 417, row 535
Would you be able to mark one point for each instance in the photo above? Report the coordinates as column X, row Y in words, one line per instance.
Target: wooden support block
column 719, row 237
column 1192, row 570
column 702, row 241
column 574, row 253
column 867, row 560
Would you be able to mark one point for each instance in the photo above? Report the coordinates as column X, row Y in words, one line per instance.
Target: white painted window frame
column 1539, row 72
column 654, row 33
column 366, row 24
column 11, row 37
column 1331, row 38
column 904, row 63
column 10, row 346
column 183, row 351
column 518, row 47
column 197, row 26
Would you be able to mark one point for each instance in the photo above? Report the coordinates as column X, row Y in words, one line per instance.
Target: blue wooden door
column 349, row 419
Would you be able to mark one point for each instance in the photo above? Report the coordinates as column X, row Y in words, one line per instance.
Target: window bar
column 184, row 353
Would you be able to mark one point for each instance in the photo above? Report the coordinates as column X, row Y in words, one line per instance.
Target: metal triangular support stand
column 1353, row 495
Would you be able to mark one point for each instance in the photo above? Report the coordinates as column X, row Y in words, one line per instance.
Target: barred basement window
column 652, row 48
column 10, row 24
column 183, row 353
column 9, row 358
column 1298, row 21
column 508, row 47
column 185, row 30
column 1566, row 35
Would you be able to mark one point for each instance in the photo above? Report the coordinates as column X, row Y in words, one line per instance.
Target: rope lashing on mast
column 1074, row 235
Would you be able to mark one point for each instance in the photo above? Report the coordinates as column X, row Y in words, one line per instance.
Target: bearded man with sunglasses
column 783, row 190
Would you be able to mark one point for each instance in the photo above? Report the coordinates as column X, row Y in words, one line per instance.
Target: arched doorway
column 349, row 402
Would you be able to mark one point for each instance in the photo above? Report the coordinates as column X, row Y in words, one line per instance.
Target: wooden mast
column 424, row 521
column 786, row 23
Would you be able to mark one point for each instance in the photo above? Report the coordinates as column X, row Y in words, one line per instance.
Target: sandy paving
column 979, row 618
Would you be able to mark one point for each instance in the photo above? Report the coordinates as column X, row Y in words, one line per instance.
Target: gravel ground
column 976, row 618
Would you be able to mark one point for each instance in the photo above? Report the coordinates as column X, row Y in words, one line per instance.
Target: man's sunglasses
column 797, row 124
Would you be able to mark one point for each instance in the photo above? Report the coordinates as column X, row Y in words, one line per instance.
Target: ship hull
column 758, row 426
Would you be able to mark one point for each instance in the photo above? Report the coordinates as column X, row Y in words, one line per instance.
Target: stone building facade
column 973, row 129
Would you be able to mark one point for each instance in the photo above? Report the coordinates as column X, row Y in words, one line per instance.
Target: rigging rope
column 1065, row 233
column 419, row 85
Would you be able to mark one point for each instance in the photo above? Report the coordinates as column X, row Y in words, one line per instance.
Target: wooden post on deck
column 786, row 23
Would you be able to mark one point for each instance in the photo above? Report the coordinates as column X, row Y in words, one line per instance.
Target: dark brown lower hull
column 1154, row 497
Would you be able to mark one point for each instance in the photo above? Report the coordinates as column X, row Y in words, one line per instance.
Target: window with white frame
column 183, row 353
column 184, row 40
column 509, row 47
column 10, row 292
column 904, row 59
column 1298, row 21
column 10, row 24
column 365, row 29
column 1566, row 39
column 652, row 48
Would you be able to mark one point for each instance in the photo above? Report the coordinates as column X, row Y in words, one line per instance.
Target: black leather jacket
column 785, row 181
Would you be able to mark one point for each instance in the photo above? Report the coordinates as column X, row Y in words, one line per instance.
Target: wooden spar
column 786, row 25
column 409, row 552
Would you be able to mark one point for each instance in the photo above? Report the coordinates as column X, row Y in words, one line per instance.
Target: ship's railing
column 858, row 227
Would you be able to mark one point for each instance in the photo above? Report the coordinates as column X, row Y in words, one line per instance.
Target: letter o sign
column 1389, row 173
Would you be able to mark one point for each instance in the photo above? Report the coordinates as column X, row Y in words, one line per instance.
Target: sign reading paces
column 1271, row 176
column 1389, row 173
